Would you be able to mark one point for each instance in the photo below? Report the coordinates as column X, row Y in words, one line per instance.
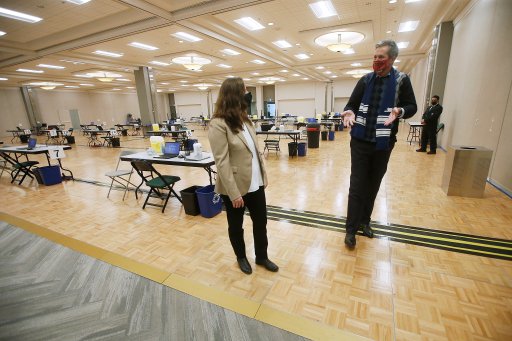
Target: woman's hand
column 238, row 202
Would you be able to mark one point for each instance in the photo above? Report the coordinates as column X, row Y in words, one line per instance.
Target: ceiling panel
column 70, row 32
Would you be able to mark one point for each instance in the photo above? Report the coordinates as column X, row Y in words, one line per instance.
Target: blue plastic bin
column 331, row 135
column 50, row 175
column 210, row 203
column 302, row 148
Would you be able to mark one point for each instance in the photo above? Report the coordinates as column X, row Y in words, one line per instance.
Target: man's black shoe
column 244, row 265
column 367, row 231
column 431, row 152
column 350, row 240
column 268, row 264
column 421, row 150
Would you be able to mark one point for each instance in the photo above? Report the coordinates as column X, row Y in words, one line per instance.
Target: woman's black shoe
column 244, row 265
column 268, row 264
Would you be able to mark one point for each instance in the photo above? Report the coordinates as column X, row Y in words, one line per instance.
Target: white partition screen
column 300, row 107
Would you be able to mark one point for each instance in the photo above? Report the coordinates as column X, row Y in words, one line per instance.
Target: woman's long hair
column 231, row 105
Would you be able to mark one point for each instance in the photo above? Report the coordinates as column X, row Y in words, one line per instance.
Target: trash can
column 70, row 139
column 24, row 138
column 115, row 142
column 210, row 203
column 50, row 175
column 189, row 200
column 465, row 171
column 331, row 135
column 124, row 132
column 313, row 131
column 292, row 148
column 302, row 149
column 324, row 135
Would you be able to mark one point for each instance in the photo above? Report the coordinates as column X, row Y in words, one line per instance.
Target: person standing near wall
column 429, row 120
column 241, row 175
column 379, row 99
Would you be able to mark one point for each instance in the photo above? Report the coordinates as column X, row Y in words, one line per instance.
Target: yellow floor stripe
column 295, row 324
column 240, row 305
column 303, row 326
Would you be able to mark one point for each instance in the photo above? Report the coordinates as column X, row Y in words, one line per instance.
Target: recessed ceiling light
column 356, row 64
column 255, row 73
column 327, row 72
column 302, row 56
column 392, row 1
column 164, row 83
column 29, row 70
column 143, row 46
column 284, row 71
column 123, row 79
column 249, row 23
column 108, row 54
column 156, row 62
column 282, row 44
column 230, row 76
column 86, row 84
column 333, row 76
column 247, row 79
column 130, row 87
column 349, row 51
column 48, row 66
column 71, row 61
column 183, row 81
column 4, row 12
column 78, row 2
column 230, row 52
column 305, row 78
column 71, row 86
column 116, row 89
column 408, row 26
column 402, row 44
column 323, row 9
column 270, row 24
column 388, row 31
column 4, row 79
column 320, row 67
column 411, row 1
column 225, row 66
column 187, row 37
column 298, row 44
column 257, row 61
column 296, row 75
column 2, row 33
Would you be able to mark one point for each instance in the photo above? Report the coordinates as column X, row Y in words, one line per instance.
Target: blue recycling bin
column 50, row 175
column 210, row 203
column 331, row 135
column 302, row 148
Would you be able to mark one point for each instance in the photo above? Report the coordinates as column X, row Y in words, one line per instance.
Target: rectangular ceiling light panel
column 249, row 23
column 187, row 37
column 323, row 9
column 4, row 12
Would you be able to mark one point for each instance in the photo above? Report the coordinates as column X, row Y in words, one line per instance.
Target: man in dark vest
column 429, row 120
column 379, row 99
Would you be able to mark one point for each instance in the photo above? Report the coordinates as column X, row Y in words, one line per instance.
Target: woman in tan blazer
column 241, row 176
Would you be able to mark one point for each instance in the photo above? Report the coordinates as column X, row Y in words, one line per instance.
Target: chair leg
column 147, row 198
column 127, row 184
column 166, row 200
column 111, row 184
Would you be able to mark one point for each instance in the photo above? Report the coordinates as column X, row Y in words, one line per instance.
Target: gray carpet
column 49, row 292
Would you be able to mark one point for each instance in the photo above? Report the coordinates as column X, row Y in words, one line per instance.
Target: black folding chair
column 22, row 169
column 156, row 182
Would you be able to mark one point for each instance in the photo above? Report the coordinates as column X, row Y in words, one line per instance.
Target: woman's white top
column 257, row 178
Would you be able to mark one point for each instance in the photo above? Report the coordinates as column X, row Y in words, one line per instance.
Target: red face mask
column 379, row 65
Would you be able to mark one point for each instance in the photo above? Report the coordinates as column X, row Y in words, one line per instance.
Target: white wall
column 301, row 99
column 342, row 89
column 418, row 78
column 12, row 111
column 191, row 104
column 477, row 105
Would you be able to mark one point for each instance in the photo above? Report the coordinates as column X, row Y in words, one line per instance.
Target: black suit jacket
column 431, row 115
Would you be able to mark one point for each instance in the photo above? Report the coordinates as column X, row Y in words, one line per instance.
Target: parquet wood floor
column 383, row 290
